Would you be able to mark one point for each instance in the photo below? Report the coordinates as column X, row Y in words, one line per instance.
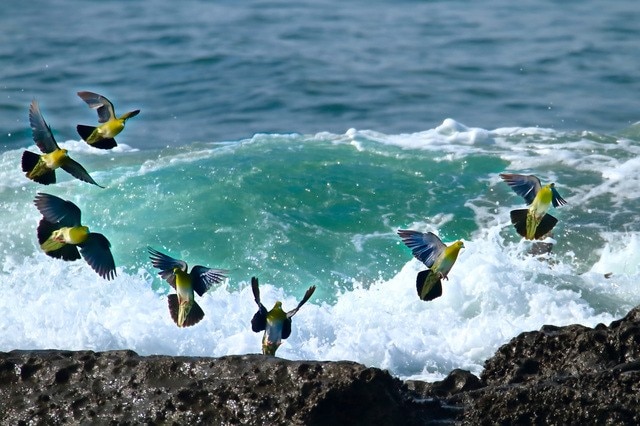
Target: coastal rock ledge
column 558, row 375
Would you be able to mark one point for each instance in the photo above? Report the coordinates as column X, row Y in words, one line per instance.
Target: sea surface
column 291, row 140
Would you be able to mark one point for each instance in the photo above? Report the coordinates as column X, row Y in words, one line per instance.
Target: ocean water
column 291, row 142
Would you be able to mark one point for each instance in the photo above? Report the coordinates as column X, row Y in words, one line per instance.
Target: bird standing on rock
column 41, row 167
column 438, row 257
column 534, row 222
column 183, row 308
column 102, row 136
column 61, row 233
column 275, row 323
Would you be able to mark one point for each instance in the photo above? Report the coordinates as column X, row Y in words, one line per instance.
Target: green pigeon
column 41, row 168
column 534, row 222
column 103, row 135
column 183, row 308
column 275, row 323
column 61, row 233
column 437, row 256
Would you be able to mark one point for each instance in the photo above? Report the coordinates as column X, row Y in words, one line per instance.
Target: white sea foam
column 495, row 291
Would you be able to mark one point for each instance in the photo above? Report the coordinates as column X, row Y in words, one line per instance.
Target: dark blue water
column 205, row 71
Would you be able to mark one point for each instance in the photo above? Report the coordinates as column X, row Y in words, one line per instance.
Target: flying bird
column 41, row 167
column 437, row 256
column 183, row 308
column 534, row 222
column 102, row 136
column 61, row 234
column 275, row 323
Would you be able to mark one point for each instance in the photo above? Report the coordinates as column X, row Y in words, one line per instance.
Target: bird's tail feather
column 546, row 225
column 29, row 162
column 106, row 143
column 64, row 252
column 86, row 131
column 195, row 314
column 429, row 285
column 519, row 221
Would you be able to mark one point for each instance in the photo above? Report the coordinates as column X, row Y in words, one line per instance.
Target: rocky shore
column 557, row 375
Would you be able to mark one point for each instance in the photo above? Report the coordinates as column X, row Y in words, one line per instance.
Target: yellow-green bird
column 102, row 136
column 41, row 168
column 183, row 308
column 61, row 233
column 534, row 222
column 437, row 256
column 275, row 323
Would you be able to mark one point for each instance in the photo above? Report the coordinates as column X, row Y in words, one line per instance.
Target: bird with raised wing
column 437, row 256
column 275, row 323
column 183, row 308
column 61, row 233
column 111, row 125
column 534, row 222
column 41, row 168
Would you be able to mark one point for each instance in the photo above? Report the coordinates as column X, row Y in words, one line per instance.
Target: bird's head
column 130, row 114
column 458, row 245
column 451, row 252
column 276, row 313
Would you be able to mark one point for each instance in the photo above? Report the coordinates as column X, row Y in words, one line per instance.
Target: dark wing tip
column 76, row 170
column 557, row 199
column 97, row 253
column 255, row 288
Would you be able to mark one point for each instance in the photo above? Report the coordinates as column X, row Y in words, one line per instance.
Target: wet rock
column 557, row 375
column 563, row 375
column 50, row 387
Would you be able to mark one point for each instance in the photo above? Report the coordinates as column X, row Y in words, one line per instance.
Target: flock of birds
column 62, row 235
column 533, row 223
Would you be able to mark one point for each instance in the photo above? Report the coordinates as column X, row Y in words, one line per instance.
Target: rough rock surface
column 558, row 375
column 54, row 387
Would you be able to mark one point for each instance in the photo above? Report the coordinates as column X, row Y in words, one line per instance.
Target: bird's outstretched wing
column 96, row 251
column 42, row 135
column 557, row 199
column 526, row 186
column 425, row 246
column 259, row 320
column 166, row 264
column 57, row 210
column 76, row 170
column 202, row 278
column 306, row 297
column 98, row 102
